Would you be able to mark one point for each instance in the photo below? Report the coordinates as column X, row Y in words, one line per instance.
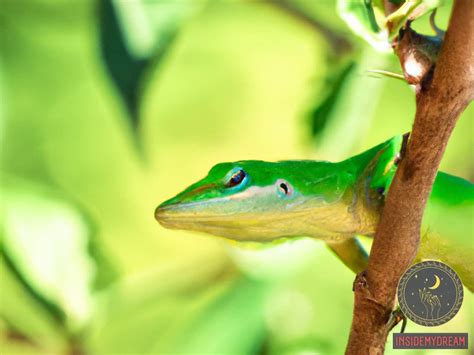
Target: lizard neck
column 376, row 170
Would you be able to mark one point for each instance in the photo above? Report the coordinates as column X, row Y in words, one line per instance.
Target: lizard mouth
column 174, row 216
column 168, row 216
column 190, row 215
column 180, row 216
column 246, row 225
column 243, row 227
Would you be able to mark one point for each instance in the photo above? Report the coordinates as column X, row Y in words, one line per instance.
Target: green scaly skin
column 263, row 201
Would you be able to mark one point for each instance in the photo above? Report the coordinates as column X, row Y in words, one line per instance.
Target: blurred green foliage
column 109, row 107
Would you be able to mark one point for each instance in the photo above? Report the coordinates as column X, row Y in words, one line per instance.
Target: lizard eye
column 236, row 178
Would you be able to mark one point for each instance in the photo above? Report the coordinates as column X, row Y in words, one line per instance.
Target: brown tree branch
column 440, row 100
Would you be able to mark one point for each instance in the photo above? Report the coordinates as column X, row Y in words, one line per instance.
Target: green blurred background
column 109, row 107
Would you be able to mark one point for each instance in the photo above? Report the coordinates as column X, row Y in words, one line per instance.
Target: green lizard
column 263, row 201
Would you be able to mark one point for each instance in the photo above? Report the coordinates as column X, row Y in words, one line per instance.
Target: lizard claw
column 396, row 317
column 439, row 32
column 401, row 154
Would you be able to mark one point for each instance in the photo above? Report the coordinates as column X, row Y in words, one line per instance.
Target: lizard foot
column 396, row 317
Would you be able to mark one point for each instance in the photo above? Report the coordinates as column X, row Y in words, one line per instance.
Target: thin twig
column 387, row 74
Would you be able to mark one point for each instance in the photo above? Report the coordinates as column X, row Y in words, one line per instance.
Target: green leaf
column 366, row 18
column 399, row 17
column 125, row 69
column 334, row 82
column 410, row 10
column 365, row 21
column 46, row 240
column 135, row 35
column 351, row 109
column 26, row 312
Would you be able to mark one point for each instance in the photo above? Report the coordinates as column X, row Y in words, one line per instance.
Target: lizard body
column 335, row 202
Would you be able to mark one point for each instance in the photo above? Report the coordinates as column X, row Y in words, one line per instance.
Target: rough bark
column 442, row 96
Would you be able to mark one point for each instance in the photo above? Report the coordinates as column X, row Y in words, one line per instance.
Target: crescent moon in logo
column 436, row 284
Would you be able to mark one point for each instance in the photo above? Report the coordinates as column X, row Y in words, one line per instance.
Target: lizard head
column 256, row 200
